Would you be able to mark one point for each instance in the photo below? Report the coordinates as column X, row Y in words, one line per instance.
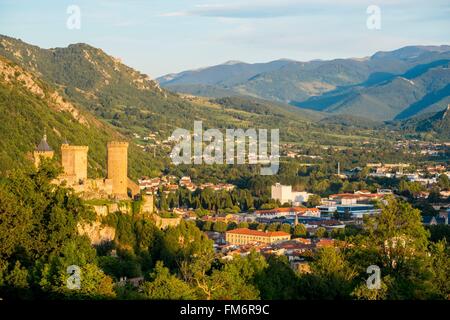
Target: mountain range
column 391, row 85
column 81, row 94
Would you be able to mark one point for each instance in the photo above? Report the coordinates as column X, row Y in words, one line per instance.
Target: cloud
column 255, row 9
column 249, row 9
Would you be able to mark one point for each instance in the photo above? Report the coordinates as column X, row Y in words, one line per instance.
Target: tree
column 362, row 292
column 364, row 173
column 146, row 233
column 321, row 232
column 313, row 201
column 300, row 230
column 94, row 284
column 220, row 226
column 285, row 227
column 195, row 269
column 261, row 226
column 47, row 241
column 440, row 264
column 14, row 283
column 165, row 286
column 181, row 243
column 330, row 278
column 397, row 232
column 232, row 225
column 277, row 280
column 237, row 277
column 397, row 242
column 243, row 224
column 410, row 188
column 207, row 226
column 434, row 196
column 439, row 232
column 444, row 182
column 269, row 206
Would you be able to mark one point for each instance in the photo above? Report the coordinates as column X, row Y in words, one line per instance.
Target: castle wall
column 147, row 204
column 134, row 187
column 44, row 154
column 164, row 223
column 97, row 188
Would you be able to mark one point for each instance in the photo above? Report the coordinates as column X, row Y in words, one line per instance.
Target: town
column 292, row 223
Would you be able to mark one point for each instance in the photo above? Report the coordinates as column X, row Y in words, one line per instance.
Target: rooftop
column 259, row 233
column 287, row 210
column 43, row 145
column 355, row 196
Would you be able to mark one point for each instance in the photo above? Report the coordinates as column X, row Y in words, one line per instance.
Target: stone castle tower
column 118, row 167
column 74, row 161
column 43, row 150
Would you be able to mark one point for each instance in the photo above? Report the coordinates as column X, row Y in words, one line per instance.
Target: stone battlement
column 120, row 144
column 69, row 147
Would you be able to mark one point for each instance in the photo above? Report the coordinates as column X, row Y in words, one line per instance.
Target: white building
column 285, row 195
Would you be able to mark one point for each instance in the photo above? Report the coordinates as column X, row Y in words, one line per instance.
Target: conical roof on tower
column 43, row 145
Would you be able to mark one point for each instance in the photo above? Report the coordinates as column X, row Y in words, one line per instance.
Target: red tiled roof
column 355, row 196
column 287, row 210
column 325, row 243
column 250, row 232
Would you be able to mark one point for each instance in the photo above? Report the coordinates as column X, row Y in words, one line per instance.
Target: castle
column 74, row 161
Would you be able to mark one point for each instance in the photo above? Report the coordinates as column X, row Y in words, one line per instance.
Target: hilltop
column 437, row 124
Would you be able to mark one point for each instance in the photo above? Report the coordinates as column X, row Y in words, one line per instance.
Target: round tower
column 43, row 150
column 118, row 167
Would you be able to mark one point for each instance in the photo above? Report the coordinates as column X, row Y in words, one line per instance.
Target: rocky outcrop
column 11, row 73
column 97, row 232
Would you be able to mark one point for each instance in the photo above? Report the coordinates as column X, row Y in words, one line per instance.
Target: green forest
column 39, row 241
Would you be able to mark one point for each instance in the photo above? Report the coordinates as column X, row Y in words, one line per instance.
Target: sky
column 158, row 37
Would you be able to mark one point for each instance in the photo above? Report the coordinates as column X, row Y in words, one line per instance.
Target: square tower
column 74, row 161
column 118, row 167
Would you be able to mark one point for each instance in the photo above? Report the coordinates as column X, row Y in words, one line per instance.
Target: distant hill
column 421, row 89
column 353, row 121
column 379, row 87
column 435, row 123
column 227, row 74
